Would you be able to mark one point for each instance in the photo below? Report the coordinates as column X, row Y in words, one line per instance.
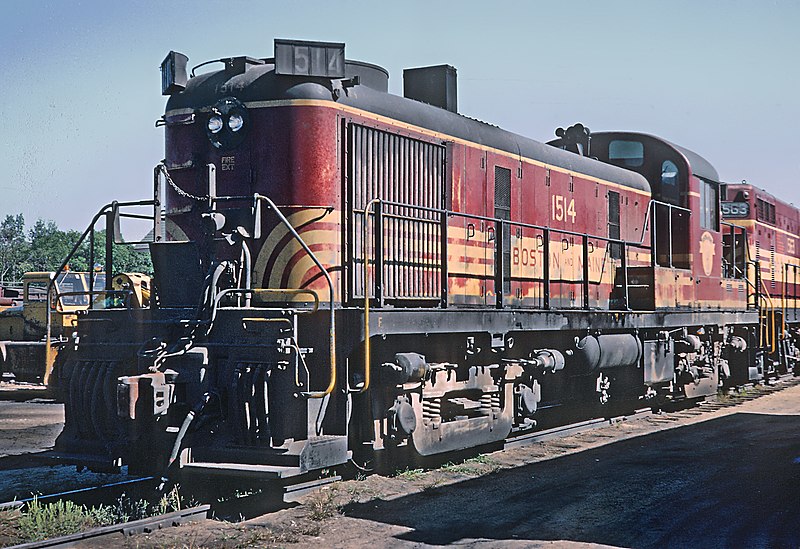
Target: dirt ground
column 30, row 421
column 723, row 478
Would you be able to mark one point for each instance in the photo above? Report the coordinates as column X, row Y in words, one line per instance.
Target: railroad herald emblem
column 707, row 252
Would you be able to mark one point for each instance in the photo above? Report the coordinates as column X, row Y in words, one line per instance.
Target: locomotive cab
column 687, row 234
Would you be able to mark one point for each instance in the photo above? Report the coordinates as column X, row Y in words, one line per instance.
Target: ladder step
column 243, row 470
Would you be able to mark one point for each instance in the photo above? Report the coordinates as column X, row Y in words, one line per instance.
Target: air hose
column 176, row 447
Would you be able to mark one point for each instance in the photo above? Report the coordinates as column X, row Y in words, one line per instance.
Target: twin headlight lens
column 235, row 123
column 227, row 123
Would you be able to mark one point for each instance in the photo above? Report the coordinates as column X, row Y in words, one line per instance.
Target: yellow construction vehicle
column 31, row 334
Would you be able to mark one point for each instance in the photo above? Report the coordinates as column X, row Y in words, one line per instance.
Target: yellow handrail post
column 367, row 349
column 767, row 320
column 49, row 359
column 332, row 332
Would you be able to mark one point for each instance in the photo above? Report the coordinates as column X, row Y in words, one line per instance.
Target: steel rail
column 526, row 439
column 78, row 493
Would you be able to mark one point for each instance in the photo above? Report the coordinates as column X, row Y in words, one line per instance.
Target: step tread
column 274, row 471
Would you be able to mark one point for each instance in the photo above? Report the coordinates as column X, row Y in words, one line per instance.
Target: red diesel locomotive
column 342, row 273
column 772, row 260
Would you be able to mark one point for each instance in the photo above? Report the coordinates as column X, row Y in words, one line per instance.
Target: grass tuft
column 322, row 504
column 477, row 465
column 38, row 521
column 410, row 474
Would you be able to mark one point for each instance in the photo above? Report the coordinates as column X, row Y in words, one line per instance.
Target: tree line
column 44, row 247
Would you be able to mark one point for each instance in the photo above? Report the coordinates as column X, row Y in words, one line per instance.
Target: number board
column 302, row 58
column 173, row 73
column 735, row 209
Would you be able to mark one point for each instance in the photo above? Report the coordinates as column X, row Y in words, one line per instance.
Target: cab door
column 708, row 245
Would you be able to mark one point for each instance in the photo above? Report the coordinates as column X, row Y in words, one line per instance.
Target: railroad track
column 110, row 492
column 133, row 490
column 571, row 429
column 146, row 525
column 93, row 495
column 247, row 505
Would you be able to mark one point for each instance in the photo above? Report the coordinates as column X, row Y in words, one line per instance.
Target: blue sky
column 80, row 85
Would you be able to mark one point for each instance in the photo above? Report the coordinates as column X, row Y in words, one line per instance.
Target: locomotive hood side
column 259, row 86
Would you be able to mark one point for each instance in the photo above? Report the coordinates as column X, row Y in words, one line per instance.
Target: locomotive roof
column 700, row 166
column 260, row 83
column 760, row 192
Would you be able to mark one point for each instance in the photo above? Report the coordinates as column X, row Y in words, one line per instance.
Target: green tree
column 46, row 246
column 14, row 248
column 129, row 260
column 49, row 245
column 126, row 258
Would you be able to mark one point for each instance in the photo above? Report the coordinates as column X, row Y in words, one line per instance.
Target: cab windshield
column 69, row 283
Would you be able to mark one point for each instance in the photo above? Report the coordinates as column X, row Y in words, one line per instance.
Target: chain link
column 178, row 190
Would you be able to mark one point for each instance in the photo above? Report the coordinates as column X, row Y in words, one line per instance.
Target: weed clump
column 39, row 521
column 322, row 504
column 60, row 518
column 410, row 474
column 478, row 465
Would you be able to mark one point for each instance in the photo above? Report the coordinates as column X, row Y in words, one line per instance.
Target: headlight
column 235, row 122
column 228, row 124
column 215, row 124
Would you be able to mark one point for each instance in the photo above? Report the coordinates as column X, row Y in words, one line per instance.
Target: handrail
column 744, row 253
column 364, row 247
column 783, row 300
column 288, row 291
column 110, row 207
column 784, row 307
column 126, row 293
column 291, row 342
column 332, row 332
column 369, row 210
column 451, row 213
column 653, row 247
column 769, row 328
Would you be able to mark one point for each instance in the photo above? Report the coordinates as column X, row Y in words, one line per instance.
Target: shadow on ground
column 727, row 482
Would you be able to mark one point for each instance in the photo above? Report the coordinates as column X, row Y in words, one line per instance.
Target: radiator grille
column 404, row 251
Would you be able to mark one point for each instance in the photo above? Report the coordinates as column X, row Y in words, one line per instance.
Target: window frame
column 709, row 204
column 627, row 161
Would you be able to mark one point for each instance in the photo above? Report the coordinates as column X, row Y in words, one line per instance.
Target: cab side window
column 669, row 173
column 628, row 154
column 709, row 201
